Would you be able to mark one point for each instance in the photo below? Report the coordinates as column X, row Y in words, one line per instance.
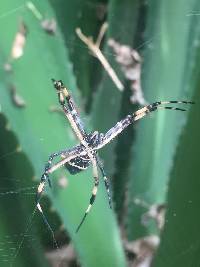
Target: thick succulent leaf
column 41, row 132
column 167, row 61
column 180, row 238
column 16, row 189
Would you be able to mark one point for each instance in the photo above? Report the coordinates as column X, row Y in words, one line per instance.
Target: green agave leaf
column 180, row 238
column 41, row 132
column 15, row 205
column 167, row 61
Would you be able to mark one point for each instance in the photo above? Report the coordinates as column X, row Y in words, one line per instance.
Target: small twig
column 102, row 32
column 94, row 47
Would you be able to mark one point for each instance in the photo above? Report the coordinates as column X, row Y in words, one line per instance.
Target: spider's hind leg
column 106, row 182
column 94, row 191
column 41, row 186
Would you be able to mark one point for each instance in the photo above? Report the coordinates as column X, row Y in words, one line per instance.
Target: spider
column 84, row 154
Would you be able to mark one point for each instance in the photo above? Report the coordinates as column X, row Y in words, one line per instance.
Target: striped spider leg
column 85, row 154
column 139, row 114
column 70, row 154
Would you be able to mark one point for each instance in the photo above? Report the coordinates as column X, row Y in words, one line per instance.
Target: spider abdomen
column 78, row 164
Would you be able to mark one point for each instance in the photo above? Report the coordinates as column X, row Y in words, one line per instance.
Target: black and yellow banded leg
column 40, row 190
column 45, row 175
column 69, row 108
column 94, row 192
column 106, row 183
column 41, row 187
column 139, row 114
column 92, row 199
column 39, row 193
column 158, row 105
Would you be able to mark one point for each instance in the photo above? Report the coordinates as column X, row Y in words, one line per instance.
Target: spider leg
column 106, row 182
column 48, row 164
column 70, row 110
column 45, row 175
column 94, row 191
column 46, row 222
column 139, row 114
column 41, row 186
column 69, row 154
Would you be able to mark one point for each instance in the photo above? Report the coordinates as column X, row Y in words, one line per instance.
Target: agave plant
column 153, row 163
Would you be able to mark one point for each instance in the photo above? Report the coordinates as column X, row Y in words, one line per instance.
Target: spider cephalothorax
column 81, row 163
column 81, row 156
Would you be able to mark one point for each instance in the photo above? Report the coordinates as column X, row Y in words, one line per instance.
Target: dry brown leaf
column 130, row 62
